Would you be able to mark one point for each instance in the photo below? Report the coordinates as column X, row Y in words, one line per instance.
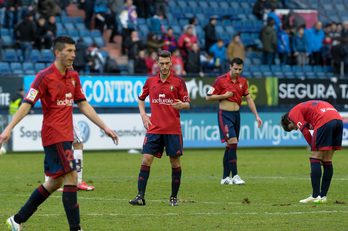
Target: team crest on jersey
column 241, row 86
column 171, row 87
column 32, row 94
column 73, row 82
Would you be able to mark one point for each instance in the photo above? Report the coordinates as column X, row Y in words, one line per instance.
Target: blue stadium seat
column 176, row 12
column 181, row 4
column 35, row 55
column 328, row 69
column 77, row 19
column 100, row 41
column 248, row 26
column 28, row 66
column 39, row 67
column 219, row 12
column 265, row 68
column 141, row 21
column 66, row 19
column 235, row 5
column 96, row 33
column 73, row 33
column 318, row 69
column 84, row 33
column 171, row 4
column 144, row 29
column 198, row 10
column 203, row 4
column 308, row 68
column 7, row 41
column 69, row 26
column 246, row 39
column 80, row 26
column 88, row 41
column 275, row 68
column 254, row 68
column 213, row 4
column 4, row 31
column 47, row 55
column 224, row 5
column 189, row 15
column 61, row 32
column 58, row 19
column 183, row 22
column 16, row 67
column 286, row 68
column 177, row 30
column 4, row 67
column 245, row 5
column 225, row 37
column 104, row 53
column 208, row 12
column 219, row 29
column 10, row 55
column 59, row 26
column 186, row 10
column 237, row 24
column 297, row 68
column 258, row 25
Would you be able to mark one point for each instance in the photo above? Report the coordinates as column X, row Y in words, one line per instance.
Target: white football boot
column 14, row 226
column 310, row 199
column 236, row 180
column 226, row 180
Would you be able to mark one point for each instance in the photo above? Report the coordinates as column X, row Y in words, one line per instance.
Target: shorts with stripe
column 328, row 136
column 77, row 134
column 229, row 124
column 154, row 144
column 59, row 159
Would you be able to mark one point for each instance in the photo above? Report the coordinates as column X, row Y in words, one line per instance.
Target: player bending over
column 327, row 124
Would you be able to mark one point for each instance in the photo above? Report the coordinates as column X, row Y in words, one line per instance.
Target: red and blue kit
column 324, row 119
column 164, row 118
column 57, row 92
column 224, row 83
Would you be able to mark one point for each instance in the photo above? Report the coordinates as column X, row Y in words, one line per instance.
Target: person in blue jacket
column 219, row 51
column 283, row 45
column 315, row 38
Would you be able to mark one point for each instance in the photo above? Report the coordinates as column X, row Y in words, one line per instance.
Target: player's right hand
column 5, row 135
column 146, row 121
column 228, row 94
column 112, row 135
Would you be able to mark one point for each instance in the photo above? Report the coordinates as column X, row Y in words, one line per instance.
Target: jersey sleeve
column 245, row 89
column 296, row 117
column 215, row 89
column 183, row 93
column 78, row 95
column 36, row 90
column 145, row 92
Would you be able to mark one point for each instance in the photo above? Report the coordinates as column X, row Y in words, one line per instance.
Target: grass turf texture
column 276, row 179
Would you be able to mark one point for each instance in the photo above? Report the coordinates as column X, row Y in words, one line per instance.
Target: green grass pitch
column 276, row 179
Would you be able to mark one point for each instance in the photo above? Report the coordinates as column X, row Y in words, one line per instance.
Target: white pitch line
column 200, row 214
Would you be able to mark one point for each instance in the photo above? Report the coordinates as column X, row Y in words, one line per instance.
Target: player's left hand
column 4, row 137
column 259, row 121
column 112, row 135
column 178, row 104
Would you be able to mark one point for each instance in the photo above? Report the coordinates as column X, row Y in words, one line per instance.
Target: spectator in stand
column 300, row 48
column 315, row 37
column 177, row 63
column 338, row 54
column 161, row 7
column 344, row 33
column 133, row 46
column 269, row 43
column 185, row 42
column 96, row 59
column 25, row 7
column 151, row 63
column 43, row 38
column 88, row 7
column 153, row 43
column 51, row 26
column 277, row 24
column 345, row 60
column 143, row 8
column 339, row 28
column 219, row 51
column 25, row 35
column 140, row 63
column 81, row 57
column 114, row 6
column 11, row 13
column 127, row 19
column 156, row 24
column 169, row 37
column 334, row 34
column 327, row 28
column 207, row 62
column 210, row 33
column 47, row 8
column 326, row 50
column 236, row 48
column 283, row 45
column 193, row 63
column 259, row 8
column 192, row 23
column 100, row 10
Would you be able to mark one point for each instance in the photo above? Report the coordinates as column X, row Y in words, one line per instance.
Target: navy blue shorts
column 59, row 159
column 328, row 136
column 154, row 144
column 229, row 124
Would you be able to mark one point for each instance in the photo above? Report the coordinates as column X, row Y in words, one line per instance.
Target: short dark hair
column 285, row 122
column 237, row 61
column 192, row 20
column 164, row 54
column 60, row 41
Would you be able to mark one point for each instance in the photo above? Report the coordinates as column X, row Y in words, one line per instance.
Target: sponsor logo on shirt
column 32, row 94
column 67, row 101
column 327, row 109
column 162, row 95
column 162, row 100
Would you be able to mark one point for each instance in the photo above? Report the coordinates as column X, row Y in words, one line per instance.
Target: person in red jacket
column 178, row 63
column 186, row 40
column 326, row 122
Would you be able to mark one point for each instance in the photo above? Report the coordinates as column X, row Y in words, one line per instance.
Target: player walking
column 168, row 94
column 326, row 122
column 58, row 88
column 229, row 89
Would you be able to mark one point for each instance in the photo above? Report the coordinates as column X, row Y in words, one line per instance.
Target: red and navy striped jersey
column 313, row 114
column 57, row 92
column 224, row 83
column 164, row 118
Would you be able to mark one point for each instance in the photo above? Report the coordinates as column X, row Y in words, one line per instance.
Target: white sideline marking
column 200, row 214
